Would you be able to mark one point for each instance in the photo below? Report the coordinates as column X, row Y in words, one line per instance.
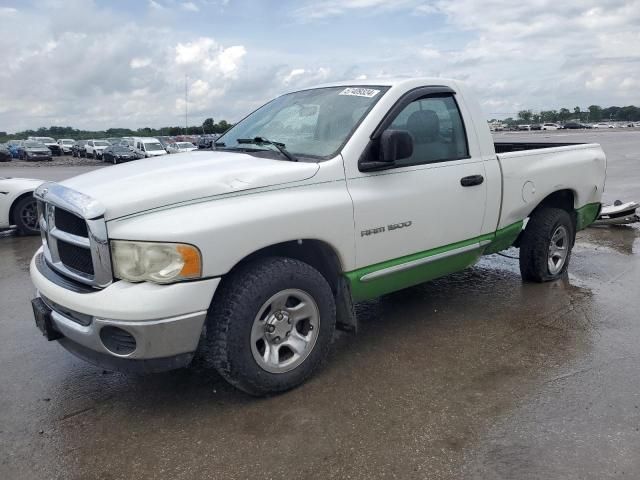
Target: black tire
column 231, row 318
column 24, row 213
column 536, row 240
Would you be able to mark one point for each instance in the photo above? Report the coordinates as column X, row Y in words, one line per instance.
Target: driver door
column 419, row 208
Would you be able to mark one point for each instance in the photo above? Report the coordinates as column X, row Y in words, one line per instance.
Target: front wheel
column 270, row 325
column 25, row 215
column 546, row 244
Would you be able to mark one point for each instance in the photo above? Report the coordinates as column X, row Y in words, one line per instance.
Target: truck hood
column 171, row 179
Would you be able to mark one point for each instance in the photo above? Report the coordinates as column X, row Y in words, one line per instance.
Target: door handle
column 471, row 180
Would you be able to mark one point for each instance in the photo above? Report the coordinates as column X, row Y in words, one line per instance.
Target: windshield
column 101, row 144
column 34, row 144
column 152, row 147
column 67, row 142
column 120, row 149
column 314, row 123
column 45, row 140
column 185, row 145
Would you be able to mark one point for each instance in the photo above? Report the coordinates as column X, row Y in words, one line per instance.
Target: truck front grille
column 75, row 257
column 74, row 235
column 70, row 223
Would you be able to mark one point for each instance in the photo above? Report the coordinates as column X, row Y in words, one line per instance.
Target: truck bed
column 532, row 171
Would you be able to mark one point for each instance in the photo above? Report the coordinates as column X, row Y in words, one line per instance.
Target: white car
column 254, row 253
column 550, row 126
column 94, row 148
column 524, row 127
column 178, row 147
column 603, row 125
column 18, row 206
column 145, row 147
column 65, row 145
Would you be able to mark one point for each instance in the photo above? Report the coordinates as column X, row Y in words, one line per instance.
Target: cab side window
column 436, row 126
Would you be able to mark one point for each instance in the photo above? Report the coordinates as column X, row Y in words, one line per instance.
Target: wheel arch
column 564, row 199
column 323, row 257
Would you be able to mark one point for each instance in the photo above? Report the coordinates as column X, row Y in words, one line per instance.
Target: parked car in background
column 50, row 143
column 13, row 146
column 206, row 141
column 94, row 148
column 575, row 126
column 602, row 125
column 524, row 127
column 114, row 140
column 78, row 148
column 65, row 145
column 18, row 206
column 32, row 150
column 178, row 147
column 550, row 126
column 536, row 126
column 145, row 147
column 165, row 141
column 117, row 154
column 5, row 153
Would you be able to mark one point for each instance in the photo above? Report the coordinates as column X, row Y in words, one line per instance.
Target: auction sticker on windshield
column 360, row 92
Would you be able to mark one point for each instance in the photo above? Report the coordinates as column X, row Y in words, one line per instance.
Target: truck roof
column 407, row 82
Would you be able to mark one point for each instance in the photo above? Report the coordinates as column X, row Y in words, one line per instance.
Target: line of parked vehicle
column 113, row 150
column 499, row 126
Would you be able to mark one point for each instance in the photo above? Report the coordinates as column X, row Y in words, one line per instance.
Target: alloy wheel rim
column 285, row 331
column 29, row 215
column 558, row 250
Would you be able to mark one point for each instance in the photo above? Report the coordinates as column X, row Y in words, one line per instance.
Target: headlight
column 155, row 262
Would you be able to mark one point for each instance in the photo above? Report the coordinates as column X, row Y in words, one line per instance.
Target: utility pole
column 186, row 106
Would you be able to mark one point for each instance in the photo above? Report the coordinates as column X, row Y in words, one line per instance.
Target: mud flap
column 346, row 319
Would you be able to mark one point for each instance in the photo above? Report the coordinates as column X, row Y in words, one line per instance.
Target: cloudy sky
column 99, row 64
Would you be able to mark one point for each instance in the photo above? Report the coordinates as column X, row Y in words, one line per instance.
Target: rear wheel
column 270, row 325
column 25, row 215
column 545, row 248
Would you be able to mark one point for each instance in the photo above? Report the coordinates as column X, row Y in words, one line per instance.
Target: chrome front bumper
column 161, row 338
column 166, row 321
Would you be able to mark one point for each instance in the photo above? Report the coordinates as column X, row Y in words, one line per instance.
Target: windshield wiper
column 263, row 141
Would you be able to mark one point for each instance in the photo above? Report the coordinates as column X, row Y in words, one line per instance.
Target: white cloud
column 292, row 74
column 8, row 11
column 319, row 9
column 229, row 60
column 140, row 62
column 190, row 7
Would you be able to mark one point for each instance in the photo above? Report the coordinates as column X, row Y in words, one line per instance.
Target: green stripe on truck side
column 586, row 215
column 398, row 273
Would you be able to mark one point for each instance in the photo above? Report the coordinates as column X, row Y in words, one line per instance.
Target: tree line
column 594, row 113
column 207, row 127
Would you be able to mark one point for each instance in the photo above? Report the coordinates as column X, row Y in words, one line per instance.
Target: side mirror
column 393, row 145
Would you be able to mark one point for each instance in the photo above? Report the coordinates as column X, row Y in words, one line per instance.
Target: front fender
column 229, row 229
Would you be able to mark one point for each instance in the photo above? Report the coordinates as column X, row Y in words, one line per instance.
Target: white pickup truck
column 252, row 255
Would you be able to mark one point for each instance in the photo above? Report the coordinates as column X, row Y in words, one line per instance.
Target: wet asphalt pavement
column 474, row 376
